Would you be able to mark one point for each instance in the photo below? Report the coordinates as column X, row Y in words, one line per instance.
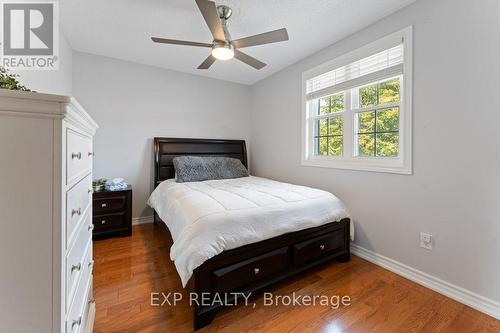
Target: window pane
column 387, row 144
column 377, row 94
column 322, row 127
column 323, row 146
column 324, row 105
column 333, row 103
column 366, row 122
column 368, row 96
column 366, row 144
column 388, row 120
column 389, row 91
column 337, row 102
column 335, row 147
column 335, row 125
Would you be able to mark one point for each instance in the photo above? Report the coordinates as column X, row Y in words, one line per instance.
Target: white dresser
column 45, row 214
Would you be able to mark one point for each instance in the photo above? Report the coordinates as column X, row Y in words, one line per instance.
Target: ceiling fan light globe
column 223, row 52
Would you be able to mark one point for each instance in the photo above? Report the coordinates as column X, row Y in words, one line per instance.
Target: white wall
column 52, row 82
column 133, row 103
column 454, row 192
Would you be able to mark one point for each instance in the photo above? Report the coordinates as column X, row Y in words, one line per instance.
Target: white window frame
column 401, row 164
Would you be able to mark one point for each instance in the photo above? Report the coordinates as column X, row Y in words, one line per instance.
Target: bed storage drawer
column 247, row 271
column 307, row 251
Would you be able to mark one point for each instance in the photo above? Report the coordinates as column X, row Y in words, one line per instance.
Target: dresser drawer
column 311, row 249
column 76, row 317
column 77, row 203
column 251, row 270
column 88, row 317
column 78, row 156
column 110, row 203
column 109, row 221
column 77, row 258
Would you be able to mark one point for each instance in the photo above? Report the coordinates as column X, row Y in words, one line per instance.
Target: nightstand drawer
column 109, row 221
column 109, row 204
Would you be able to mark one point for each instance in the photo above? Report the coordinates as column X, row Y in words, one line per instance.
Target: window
column 357, row 108
column 329, row 122
column 376, row 118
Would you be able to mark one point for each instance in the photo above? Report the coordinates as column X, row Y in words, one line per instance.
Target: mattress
column 206, row 218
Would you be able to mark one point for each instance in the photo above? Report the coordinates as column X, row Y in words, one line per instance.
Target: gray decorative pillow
column 198, row 168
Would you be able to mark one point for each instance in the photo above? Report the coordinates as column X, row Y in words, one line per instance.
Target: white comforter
column 206, row 218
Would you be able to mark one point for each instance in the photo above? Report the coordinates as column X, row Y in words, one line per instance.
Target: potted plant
column 9, row 81
column 98, row 184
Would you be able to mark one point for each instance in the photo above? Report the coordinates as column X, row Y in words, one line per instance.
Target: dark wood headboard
column 165, row 149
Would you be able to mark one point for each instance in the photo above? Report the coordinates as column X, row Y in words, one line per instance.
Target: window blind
column 377, row 66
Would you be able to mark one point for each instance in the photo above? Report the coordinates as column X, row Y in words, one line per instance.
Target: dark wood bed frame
column 252, row 267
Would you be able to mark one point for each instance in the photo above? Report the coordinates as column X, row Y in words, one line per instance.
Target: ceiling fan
column 223, row 47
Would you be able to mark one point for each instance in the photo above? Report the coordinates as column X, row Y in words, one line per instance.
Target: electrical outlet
column 426, row 240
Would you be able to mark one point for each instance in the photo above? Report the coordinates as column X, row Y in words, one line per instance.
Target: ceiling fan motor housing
column 225, row 12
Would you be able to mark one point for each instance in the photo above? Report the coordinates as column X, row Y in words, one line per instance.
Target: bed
column 282, row 229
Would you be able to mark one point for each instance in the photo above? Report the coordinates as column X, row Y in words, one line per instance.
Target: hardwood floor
column 128, row 269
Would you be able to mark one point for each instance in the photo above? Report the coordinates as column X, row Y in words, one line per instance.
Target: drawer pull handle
column 103, row 222
column 76, row 211
column 256, row 271
column 76, row 322
column 91, row 227
column 321, row 247
column 104, row 205
column 76, row 155
column 91, row 263
column 76, row 267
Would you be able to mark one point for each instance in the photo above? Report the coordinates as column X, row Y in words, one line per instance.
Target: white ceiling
column 122, row 29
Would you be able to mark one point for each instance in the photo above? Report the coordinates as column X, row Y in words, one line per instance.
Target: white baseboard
column 457, row 293
column 142, row 220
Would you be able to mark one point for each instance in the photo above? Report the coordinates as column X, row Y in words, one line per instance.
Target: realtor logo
column 29, row 35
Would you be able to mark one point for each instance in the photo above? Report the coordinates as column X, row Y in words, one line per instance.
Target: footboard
column 250, row 268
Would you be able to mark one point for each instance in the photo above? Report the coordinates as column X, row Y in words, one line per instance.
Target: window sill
column 360, row 164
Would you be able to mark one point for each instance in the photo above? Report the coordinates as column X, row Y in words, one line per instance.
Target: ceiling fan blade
column 248, row 60
column 279, row 35
column 207, row 63
column 179, row 42
column 211, row 16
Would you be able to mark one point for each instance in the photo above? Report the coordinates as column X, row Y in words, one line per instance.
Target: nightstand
column 112, row 213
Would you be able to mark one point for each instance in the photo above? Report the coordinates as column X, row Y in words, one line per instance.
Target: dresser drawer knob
column 76, row 322
column 76, row 155
column 104, row 205
column 91, row 263
column 321, row 247
column 76, row 211
column 103, row 222
column 91, row 154
column 76, row 267
column 91, row 227
column 256, row 271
